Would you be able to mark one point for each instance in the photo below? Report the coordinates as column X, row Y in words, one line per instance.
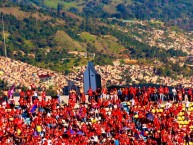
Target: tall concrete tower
column 91, row 78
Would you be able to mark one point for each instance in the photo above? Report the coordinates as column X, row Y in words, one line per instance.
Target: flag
column 80, row 133
column 11, row 91
column 71, row 132
column 150, row 116
column 33, row 108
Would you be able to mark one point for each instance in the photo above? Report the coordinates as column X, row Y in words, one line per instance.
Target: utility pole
column 4, row 37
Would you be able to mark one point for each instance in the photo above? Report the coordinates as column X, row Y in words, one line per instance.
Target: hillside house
column 46, row 78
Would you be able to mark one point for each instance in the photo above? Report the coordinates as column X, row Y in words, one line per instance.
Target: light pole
column 4, row 37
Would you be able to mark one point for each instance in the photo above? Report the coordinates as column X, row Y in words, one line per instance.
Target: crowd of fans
column 125, row 116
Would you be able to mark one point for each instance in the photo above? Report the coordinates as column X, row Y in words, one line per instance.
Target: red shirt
column 43, row 95
column 22, row 94
column 190, row 92
column 164, row 137
column 104, row 90
column 166, row 90
column 161, row 90
column 90, row 92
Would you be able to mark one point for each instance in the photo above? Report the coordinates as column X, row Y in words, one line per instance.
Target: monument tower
column 91, row 78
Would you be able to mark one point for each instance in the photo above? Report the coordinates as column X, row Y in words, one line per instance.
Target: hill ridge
column 61, row 40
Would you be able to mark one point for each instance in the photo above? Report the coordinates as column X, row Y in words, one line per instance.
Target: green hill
column 174, row 12
column 58, row 34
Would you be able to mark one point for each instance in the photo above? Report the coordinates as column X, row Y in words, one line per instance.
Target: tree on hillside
column 59, row 9
column 3, row 84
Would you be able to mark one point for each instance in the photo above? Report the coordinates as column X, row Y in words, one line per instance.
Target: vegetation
column 3, row 85
column 43, row 33
column 174, row 12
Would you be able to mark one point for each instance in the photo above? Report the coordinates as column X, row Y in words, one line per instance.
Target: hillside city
column 160, row 36
column 23, row 74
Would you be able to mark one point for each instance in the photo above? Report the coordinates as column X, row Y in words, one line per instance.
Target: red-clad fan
column 104, row 92
column 180, row 96
column 22, row 93
column 190, row 94
column 90, row 94
column 43, row 95
column 102, row 121
column 166, row 93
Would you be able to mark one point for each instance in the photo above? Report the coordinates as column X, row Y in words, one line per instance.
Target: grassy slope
column 63, row 40
column 54, row 4
column 105, row 44
column 79, row 4
column 20, row 15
